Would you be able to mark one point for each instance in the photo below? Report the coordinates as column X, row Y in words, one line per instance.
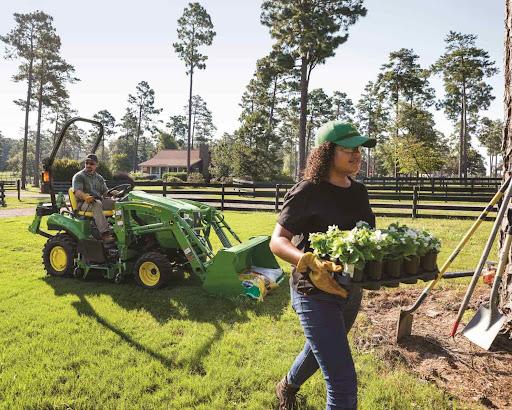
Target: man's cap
column 92, row 157
column 343, row 134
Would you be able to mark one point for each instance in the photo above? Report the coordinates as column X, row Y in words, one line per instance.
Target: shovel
column 483, row 328
column 404, row 326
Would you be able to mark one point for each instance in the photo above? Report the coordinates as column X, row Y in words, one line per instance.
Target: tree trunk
column 136, row 156
column 303, row 114
column 464, row 133
column 272, row 105
column 506, row 288
column 189, row 119
column 37, row 156
column 27, row 111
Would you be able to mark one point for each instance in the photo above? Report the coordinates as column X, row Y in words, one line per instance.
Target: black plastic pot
column 411, row 265
column 393, row 267
column 429, row 262
column 373, row 270
column 358, row 274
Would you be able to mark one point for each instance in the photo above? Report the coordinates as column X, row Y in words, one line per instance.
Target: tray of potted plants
column 375, row 258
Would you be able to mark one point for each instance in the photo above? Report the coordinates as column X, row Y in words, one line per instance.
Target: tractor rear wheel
column 152, row 270
column 59, row 254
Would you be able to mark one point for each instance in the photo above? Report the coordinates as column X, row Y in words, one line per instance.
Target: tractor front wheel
column 152, row 270
column 59, row 254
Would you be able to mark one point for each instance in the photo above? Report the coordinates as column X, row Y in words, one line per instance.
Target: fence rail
column 414, row 201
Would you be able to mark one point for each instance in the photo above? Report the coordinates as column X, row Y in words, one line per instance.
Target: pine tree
column 195, row 29
column 309, row 31
column 23, row 43
column 464, row 68
column 109, row 124
column 142, row 105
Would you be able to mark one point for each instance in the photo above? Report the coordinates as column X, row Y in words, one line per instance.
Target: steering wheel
column 122, row 189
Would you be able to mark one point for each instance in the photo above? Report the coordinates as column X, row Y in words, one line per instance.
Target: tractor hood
column 172, row 204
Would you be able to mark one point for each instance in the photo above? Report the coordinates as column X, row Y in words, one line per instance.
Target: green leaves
column 363, row 243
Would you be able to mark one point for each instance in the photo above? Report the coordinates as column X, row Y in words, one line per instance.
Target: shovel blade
column 483, row 328
column 404, row 326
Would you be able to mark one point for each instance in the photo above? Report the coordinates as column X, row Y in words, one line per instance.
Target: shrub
column 173, row 180
column 195, row 177
column 182, row 176
column 64, row 169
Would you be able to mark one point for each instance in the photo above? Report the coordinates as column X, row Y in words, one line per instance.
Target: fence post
column 472, row 185
column 433, row 186
column 2, row 194
column 415, row 202
column 164, row 193
column 18, row 188
column 222, row 199
column 277, row 198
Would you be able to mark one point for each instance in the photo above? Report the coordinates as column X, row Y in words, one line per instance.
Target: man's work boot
column 286, row 394
column 107, row 237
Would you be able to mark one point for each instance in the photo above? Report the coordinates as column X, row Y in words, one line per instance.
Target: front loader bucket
column 222, row 273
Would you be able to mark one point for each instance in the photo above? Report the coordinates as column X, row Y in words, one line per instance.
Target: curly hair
column 319, row 163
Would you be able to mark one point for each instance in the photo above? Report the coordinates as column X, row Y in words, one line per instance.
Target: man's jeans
column 326, row 320
column 97, row 208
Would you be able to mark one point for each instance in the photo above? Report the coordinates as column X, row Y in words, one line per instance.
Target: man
column 89, row 187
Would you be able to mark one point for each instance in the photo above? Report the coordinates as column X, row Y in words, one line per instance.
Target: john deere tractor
column 156, row 238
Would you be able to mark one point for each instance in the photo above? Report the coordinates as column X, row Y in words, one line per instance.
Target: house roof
column 172, row 158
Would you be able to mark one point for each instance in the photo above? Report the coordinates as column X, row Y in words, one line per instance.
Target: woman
column 326, row 196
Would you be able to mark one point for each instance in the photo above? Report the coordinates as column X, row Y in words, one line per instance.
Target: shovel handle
column 483, row 258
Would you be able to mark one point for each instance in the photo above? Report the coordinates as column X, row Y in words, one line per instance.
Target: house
column 175, row 160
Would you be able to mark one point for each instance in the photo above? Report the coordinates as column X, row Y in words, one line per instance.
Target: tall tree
column 403, row 79
column 23, row 42
column 372, row 117
column 109, row 124
column 202, row 122
column 142, row 105
column 506, row 288
column 343, row 107
column 489, row 134
column 51, row 73
column 309, row 31
column 195, row 29
column 464, row 68
column 320, row 110
column 178, row 129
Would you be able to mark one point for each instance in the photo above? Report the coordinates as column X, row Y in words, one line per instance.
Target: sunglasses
column 355, row 150
column 90, row 163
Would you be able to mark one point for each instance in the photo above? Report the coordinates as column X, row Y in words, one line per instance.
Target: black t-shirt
column 310, row 208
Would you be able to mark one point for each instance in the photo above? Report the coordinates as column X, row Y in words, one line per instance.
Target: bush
column 64, row 169
column 222, row 180
column 139, row 176
column 182, row 176
column 173, row 180
column 195, row 177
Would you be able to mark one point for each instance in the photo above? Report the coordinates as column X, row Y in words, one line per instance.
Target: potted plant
column 347, row 250
column 392, row 252
column 429, row 251
column 369, row 242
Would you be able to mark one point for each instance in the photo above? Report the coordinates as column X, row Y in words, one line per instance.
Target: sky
column 115, row 44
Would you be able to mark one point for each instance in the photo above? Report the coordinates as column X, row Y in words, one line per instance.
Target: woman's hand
column 320, row 274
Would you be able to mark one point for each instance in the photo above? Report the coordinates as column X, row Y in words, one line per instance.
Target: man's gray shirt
column 92, row 184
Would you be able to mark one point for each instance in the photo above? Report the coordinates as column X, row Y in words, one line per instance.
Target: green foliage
column 195, row 177
column 166, row 141
column 142, row 106
column 178, row 126
column 221, row 165
column 174, row 176
column 64, row 169
column 309, row 34
column 121, row 163
column 203, row 129
column 464, row 68
column 362, row 244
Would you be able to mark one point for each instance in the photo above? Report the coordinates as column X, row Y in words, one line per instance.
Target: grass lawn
column 66, row 343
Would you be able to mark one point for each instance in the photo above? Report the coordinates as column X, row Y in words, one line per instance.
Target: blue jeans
column 326, row 320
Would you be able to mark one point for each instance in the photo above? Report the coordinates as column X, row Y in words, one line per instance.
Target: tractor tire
column 152, row 270
column 59, row 255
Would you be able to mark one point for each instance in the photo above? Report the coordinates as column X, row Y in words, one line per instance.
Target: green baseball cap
column 343, row 134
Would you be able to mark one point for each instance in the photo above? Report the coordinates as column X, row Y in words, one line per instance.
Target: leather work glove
column 89, row 199
column 320, row 273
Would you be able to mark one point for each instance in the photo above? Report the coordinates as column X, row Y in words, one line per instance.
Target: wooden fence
column 452, row 200
column 2, row 195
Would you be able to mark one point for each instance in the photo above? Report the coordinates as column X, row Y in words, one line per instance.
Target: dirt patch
column 10, row 213
column 456, row 365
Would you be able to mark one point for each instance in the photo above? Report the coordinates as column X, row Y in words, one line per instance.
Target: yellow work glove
column 320, row 273
column 89, row 198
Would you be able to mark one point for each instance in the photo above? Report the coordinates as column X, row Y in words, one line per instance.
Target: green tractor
column 156, row 239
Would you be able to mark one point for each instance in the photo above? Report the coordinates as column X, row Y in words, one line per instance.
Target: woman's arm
column 281, row 245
